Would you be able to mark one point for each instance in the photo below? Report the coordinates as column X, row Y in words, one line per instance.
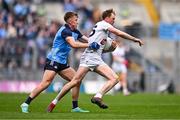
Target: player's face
column 74, row 22
column 112, row 19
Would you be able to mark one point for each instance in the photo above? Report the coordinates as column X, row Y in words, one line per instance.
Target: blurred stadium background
column 27, row 29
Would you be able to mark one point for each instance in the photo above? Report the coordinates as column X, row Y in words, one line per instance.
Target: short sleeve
column 106, row 25
column 65, row 33
column 79, row 34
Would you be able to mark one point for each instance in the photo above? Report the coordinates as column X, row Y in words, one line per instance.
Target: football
column 110, row 45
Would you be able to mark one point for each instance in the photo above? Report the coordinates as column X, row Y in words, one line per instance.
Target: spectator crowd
column 26, row 34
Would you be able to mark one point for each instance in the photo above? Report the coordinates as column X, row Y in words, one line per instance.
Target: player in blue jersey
column 57, row 60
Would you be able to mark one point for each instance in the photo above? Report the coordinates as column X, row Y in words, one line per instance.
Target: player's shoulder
column 77, row 31
column 103, row 24
column 66, row 30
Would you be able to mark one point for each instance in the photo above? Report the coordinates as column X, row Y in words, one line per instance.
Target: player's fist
column 139, row 41
column 94, row 46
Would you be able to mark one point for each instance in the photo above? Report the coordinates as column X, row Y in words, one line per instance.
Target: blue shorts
column 55, row 66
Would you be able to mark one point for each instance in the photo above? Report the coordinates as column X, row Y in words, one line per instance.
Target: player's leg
column 81, row 72
column 46, row 81
column 68, row 75
column 110, row 75
column 112, row 78
column 48, row 76
column 123, row 81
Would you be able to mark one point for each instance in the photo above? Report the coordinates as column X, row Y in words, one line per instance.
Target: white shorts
column 91, row 61
column 119, row 68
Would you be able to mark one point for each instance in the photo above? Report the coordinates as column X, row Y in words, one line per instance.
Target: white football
column 108, row 44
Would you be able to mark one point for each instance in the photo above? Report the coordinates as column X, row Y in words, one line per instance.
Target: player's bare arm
column 125, row 35
column 76, row 44
column 84, row 39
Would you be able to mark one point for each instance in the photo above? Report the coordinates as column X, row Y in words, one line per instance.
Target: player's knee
column 114, row 80
column 76, row 82
column 45, row 83
column 48, row 82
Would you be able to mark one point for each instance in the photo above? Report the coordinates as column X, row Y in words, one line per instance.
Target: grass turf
column 136, row 106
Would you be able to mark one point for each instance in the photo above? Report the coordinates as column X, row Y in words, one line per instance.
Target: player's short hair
column 107, row 13
column 69, row 15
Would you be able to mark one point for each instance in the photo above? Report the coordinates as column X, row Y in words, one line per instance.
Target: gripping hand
column 94, row 46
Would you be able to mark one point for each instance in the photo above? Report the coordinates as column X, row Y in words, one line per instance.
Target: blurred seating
column 169, row 12
column 131, row 12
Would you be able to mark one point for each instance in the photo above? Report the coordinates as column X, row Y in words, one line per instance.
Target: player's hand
column 94, row 46
column 114, row 44
column 139, row 41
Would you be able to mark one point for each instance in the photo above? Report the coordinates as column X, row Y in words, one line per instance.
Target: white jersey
column 99, row 34
column 117, row 66
column 119, row 51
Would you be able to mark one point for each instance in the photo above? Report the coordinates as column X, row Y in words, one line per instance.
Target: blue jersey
column 61, row 48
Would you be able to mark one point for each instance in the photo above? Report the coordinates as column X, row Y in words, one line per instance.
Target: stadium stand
column 169, row 12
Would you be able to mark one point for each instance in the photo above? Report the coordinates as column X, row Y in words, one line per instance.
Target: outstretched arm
column 125, row 35
column 84, row 38
column 76, row 44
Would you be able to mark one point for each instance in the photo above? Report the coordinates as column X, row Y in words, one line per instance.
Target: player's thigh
column 106, row 72
column 81, row 72
column 48, row 75
column 67, row 73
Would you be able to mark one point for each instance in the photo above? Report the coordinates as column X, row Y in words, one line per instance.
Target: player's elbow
column 120, row 33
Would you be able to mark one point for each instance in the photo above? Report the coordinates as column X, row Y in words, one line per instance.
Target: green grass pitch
column 136, row 106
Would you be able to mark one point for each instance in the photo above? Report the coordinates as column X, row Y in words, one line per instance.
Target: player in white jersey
column 119, row 66
column 91, row 59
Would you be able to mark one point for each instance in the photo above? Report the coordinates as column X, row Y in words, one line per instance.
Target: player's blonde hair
column 69, row 15
column 107, row 13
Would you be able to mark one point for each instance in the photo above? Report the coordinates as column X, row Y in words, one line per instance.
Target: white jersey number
column 93, row 31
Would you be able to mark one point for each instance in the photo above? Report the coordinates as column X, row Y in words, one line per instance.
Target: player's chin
column 75, row 26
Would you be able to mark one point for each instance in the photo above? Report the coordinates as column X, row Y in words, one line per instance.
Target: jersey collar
column 66, row 25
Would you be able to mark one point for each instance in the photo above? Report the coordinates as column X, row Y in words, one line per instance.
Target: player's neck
column 106, row 20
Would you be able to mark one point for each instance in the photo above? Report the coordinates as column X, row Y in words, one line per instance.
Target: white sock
column 99, row 95
column 125, row 90
column 55, row 101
